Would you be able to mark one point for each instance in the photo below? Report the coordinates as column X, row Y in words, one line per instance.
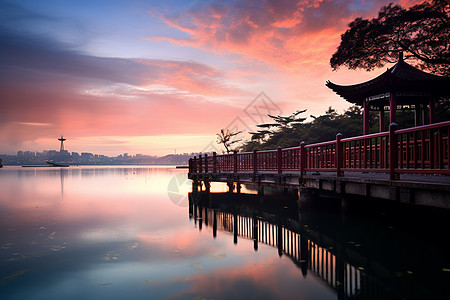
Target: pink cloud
column 189, row 76
column 82, row 96
column 274, row 33
column 285, row 34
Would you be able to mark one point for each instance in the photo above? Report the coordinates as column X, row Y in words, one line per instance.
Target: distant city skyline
column 155, row 76
column 57, row 148
column 125, row 154
column 87, row 158
column 63, row 150
column 28, row 157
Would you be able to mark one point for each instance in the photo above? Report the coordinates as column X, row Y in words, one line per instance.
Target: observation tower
column 62, row 143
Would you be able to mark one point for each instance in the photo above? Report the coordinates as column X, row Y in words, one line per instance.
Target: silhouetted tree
column 320, row 129
column 281, row 124
column 286, row 122
column 226, row 138
column 420, row 32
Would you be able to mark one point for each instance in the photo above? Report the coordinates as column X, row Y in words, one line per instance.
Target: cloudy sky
column 152, row 77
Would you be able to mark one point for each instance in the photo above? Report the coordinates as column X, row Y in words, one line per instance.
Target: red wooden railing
column 423, row 149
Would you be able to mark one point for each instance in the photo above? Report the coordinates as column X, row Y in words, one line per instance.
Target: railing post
column 432, row 147
column 235, row 161
column 206, row 163
column 393, row 152
column 200, row 167
column 214, row 162
column 190, row 165
column 339, row 157
column 255, row 162
column 366, row 117
column 194, row 167
column 302, row 159
column 279, row 160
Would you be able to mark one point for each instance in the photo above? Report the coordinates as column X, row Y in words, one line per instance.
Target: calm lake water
column 130, row 233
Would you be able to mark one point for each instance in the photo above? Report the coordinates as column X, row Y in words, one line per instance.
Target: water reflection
column 116, row 233
column 357, row 258
column 65, row 233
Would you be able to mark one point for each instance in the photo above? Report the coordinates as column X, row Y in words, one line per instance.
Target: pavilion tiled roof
column 402, row 77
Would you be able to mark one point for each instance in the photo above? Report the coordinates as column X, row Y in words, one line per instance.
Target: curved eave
column 358, row 92
column 401, row 77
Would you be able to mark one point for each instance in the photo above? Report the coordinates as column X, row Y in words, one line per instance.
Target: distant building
column 29, row 154
column 52, row 153
column 87, row 155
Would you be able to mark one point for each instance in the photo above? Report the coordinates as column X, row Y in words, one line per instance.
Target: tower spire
column 62, row 143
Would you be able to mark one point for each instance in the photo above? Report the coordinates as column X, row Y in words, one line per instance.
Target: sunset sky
column 149, row 77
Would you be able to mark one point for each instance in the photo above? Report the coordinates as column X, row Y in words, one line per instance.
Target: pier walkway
column 408, row 165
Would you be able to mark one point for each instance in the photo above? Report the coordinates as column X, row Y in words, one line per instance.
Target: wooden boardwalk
column 408, row 165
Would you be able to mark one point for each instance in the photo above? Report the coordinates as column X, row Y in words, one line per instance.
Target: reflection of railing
column 423, row 149
column 346, row 279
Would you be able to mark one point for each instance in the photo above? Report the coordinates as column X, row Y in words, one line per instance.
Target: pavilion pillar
column 417, row 115
column 393, row 108
column 381, row 119
column 432, row 110
column 366, row 117
column 424, row 115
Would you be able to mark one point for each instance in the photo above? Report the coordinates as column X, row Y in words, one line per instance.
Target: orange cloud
column 277, row 33
column 408, row 3
column 284, row 34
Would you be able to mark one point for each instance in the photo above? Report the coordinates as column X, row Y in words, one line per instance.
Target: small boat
column 53, row 164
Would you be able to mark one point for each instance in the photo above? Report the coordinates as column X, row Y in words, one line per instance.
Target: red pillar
column 424, row 115
column 417, row 115
column 279, row 160
column 432, row 110
column 302, row 159
column 381, row 119
column 214, row 162
column 393, row 108
column 366, row 118
column 393, row 152
column 339, row 158
column 255, row 162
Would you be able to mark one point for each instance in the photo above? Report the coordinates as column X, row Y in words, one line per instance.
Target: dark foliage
column 282, row 124
column 320, row 129
column 420, row 32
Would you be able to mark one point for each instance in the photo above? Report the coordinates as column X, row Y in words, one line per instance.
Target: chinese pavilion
column 400, row 87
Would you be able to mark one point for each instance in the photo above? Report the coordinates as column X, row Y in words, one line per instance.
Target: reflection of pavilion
column 354, row 271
